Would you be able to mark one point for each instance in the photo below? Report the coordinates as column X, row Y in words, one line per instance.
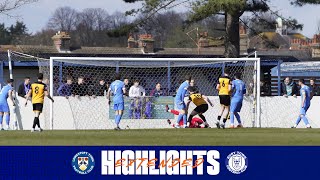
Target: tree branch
column 9, row 5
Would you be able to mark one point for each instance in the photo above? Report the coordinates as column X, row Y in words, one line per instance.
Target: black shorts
column 225, row 100
column 37, row 107
column 202, row 108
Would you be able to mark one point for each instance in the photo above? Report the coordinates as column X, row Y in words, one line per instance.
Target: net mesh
column 83, row 105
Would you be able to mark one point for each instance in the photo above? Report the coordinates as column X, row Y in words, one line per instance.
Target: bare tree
column 93, row 22
column 118, row 20
column 64, row 19
column 8, row 5
column 94, row 19
column 161, row 26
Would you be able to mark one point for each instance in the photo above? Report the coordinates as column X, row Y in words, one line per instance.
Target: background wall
column 89, row 113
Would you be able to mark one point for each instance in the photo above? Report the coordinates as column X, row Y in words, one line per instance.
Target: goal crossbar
column 153, row 59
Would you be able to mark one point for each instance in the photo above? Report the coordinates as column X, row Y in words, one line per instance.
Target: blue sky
column 36, row 15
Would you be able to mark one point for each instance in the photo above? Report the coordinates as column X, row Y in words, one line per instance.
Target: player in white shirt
column 135, row 92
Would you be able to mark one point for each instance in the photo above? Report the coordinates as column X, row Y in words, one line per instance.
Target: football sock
column 179, row 118
column 219, row 117
column 231, row 118
column 305, row 120
column 190, row 118
column 184, row 119
column 202, row 117
column 117, row 120
column 238, row 117
column 224, row 120
column 34, row 122
column 1, row 119
column 7, row 119
column 192, row 114
column 298, row 121
column 38, row 122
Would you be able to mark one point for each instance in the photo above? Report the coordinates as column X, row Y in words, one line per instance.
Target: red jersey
column 195, row 122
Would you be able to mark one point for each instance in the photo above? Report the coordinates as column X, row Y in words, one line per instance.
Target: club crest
column 83, row 163
column 237, row 162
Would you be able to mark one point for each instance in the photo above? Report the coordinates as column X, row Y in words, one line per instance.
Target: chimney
column 146, row 43
column 61, row 41
column 132, row 43
column 242, row 30
column 316, row 40
column 279, row 26
column 203, row 41
column 244, row 38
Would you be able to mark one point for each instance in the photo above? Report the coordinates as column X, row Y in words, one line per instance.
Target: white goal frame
column 257, row 69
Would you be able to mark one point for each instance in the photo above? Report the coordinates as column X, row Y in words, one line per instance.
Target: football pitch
column 163, row 137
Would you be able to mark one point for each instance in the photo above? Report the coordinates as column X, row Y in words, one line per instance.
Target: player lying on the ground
column 6, row 92
column 239, row 90
column 201, row 105
column 305, row 104
column 195, row 122
column 224, row 89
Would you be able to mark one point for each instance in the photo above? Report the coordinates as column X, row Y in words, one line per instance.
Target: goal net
column 89, row 109
column 79, row 86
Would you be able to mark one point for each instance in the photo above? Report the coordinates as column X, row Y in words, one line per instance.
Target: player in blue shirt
column 117, row 87
column 6, row 92
column 179, row 101
column 306, row 97
column 238, row 89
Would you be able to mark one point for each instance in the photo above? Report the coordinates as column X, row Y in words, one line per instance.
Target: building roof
column 36, row 50
column 269, row 40
column 299, row 55
column 50, row 51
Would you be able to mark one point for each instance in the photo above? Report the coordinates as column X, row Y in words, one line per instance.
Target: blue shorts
column 118, row 107
column 4, row 107
column 181, row 106
column 303, row 111
column 236, row 105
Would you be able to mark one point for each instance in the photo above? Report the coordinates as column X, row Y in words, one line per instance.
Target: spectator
column 289, row 88
column 136, row 90
column 80, row 88
column 315, row 89
column 265, row 90
column 101, row 88
column 192, row 82
column 24, row 87
column 157, row 91
column 250, row 88
column 127, row 86
column 66, row 89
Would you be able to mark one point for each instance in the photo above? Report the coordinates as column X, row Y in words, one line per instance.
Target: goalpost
column 90, row 111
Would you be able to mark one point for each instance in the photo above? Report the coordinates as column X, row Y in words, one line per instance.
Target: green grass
column 198, row 137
